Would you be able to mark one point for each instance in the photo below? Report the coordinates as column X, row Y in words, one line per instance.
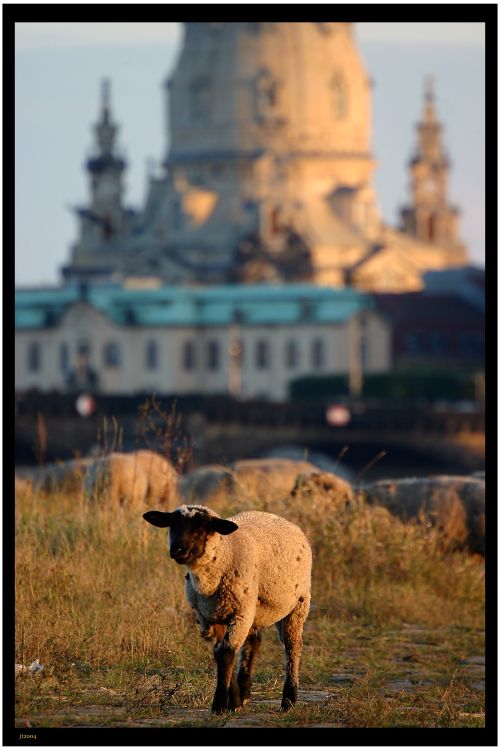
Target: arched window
column 111, row 354
column 213, row 355
column 188, row 355
column 291, row 353
column 151, row 355
column 340, row 102
column 318, row 353
column 34, row 357
column 262, row 355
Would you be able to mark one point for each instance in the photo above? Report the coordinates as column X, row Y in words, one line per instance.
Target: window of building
column 111, row 354
column 262, row 355
column 412, row 343
column 64, row 357
column 318, row 353
column 83, row 350
column 34, row 357
column 438, row 342
column 291, row 353
column 151, row 355
column 188, row 355
column 338, row 86
column 213, row 355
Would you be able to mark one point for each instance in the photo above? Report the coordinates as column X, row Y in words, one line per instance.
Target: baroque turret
column 104, row 222
column 430, row 217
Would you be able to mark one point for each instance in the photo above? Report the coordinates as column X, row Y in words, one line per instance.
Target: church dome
column 246, row 88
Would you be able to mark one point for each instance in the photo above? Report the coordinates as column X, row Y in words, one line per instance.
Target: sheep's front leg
column 224, row 658
column 227, row 691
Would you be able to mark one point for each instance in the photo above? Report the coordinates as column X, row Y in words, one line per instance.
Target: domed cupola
column 244, row 87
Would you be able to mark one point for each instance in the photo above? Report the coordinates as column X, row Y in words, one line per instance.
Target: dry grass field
column 395, row 636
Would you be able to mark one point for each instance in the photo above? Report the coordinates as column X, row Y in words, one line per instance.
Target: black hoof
column 218, row 709
column 290, row 693
column 219, row 704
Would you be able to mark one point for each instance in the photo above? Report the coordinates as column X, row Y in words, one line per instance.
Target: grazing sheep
column 161, row 475
column 454, row 505
column 60, row 475
column 243, row 484
column 212, row 485
column 119, row 479
column 244, row 573
column 335, row 491
column 269, row 478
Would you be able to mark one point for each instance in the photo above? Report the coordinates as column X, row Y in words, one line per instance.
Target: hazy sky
column 59, row 68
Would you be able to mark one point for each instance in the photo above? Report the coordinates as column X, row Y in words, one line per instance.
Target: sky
column 58, row 72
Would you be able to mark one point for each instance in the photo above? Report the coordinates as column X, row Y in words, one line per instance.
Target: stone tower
column 430, row 217
column 105, row 222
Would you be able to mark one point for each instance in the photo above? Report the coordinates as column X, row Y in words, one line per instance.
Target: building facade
column 434, row 329
column 248, row 341
column 269, row 173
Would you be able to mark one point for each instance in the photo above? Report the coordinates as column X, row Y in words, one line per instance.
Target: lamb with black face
column 244, row 574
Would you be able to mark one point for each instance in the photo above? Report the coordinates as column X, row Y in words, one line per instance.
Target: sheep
column 269, row 478
column 237, row 486
column 212, row 484
column 161, row 475
column 244, row 573
column 61, row 475
column 119, row 479
column 454, row 505
column 335, row 491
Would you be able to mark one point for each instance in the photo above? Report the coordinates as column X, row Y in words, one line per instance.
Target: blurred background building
column 250, row 342
column 260, row 253
column 269, row 173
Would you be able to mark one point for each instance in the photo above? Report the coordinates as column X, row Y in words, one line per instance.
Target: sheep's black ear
column 158, row 518
column 222, row 526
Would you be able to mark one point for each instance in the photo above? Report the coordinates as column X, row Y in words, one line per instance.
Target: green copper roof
column 257, row 304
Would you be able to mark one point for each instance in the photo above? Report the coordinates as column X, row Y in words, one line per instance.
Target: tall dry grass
column 95, row 585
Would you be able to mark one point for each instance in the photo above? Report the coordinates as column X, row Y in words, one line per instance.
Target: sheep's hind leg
column 248, row 654
column 290, row 634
